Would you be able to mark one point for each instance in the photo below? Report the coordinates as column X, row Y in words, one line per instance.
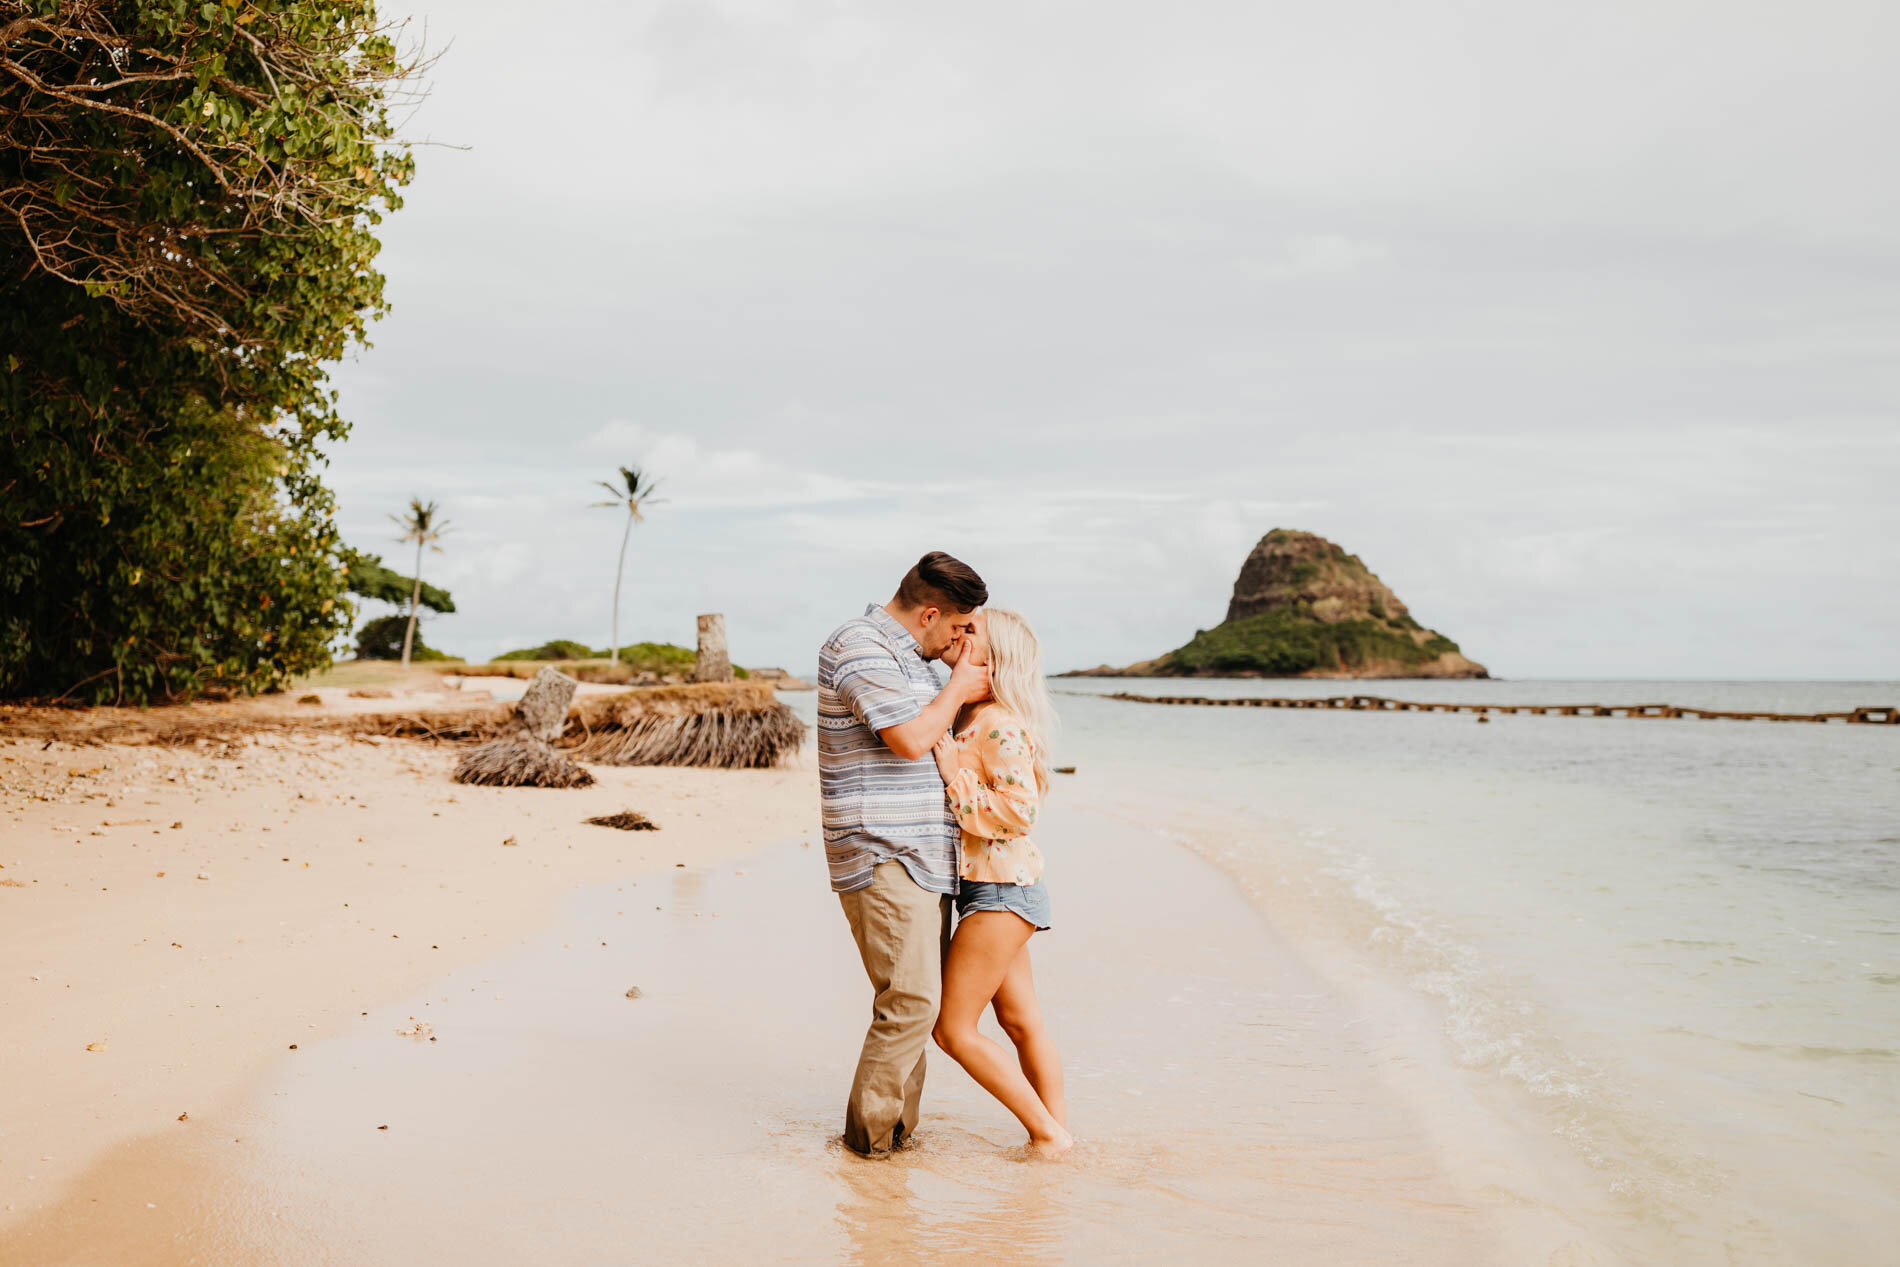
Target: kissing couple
column 930, row 792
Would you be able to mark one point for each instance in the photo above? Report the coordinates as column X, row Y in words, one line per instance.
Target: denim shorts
column 1030, row 901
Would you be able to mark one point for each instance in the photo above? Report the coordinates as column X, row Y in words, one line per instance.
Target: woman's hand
column 945, row 750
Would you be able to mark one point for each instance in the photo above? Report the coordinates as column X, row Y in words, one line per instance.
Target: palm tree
column 425, row 526
column 635, row 491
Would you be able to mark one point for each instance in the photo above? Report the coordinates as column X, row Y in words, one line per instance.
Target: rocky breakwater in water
column 1304, row 607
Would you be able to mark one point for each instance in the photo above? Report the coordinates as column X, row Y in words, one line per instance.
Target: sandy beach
column 177, row 918
column 390, row 1023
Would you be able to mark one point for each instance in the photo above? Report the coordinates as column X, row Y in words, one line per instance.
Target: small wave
column 1492, row 1026
column 1798, row 1051
column 1845, row 1053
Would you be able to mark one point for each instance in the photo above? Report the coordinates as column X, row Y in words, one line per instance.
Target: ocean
column 1664, row 953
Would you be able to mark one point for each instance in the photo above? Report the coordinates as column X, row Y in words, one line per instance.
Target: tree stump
column 714, row 664
column 523, row 754
column 542, row 712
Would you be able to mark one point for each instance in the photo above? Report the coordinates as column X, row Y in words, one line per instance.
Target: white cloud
column 1575, row 324
column 699, row 478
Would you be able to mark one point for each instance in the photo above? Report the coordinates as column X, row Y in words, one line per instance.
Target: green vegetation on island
column 1290, row 642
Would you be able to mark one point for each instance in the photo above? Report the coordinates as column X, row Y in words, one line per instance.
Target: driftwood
column 522, row 756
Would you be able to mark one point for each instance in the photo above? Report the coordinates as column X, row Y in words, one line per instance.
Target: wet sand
column 514, row 1105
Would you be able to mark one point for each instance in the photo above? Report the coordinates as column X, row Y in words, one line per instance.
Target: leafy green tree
column 386, row 637
column 425, row 526
column 633, row 493
column 368, row 577
column 188, row 201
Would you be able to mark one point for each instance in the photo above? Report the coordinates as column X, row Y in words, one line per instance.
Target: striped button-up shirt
column 879, row 807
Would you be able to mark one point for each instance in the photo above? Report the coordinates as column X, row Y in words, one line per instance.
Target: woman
column 996, row 774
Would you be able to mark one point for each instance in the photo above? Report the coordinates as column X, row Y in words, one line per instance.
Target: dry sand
column 171, row 919
column 470, row 1082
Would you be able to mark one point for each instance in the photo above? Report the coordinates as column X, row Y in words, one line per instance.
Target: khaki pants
column 902, row 932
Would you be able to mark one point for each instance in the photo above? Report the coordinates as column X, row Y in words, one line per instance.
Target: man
column 890, row 840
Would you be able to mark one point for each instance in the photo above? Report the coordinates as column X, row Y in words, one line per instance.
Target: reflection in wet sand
column 1229, row 1105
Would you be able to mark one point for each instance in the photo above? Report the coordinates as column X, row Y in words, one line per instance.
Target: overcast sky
column 1578, row 323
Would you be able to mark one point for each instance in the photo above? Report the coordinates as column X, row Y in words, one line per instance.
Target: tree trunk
column 714, row 665
column 415, row 600
column 619, row 571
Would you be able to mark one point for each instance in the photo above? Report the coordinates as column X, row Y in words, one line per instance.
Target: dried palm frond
column 728, row 725
column 520, row 763
column 625, row 820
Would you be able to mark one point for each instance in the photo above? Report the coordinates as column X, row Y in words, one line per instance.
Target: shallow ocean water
column 1672, row 945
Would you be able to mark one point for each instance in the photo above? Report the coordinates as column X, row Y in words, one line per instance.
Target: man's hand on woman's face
column 969, row 676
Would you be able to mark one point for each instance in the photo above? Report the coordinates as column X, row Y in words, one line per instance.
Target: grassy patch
column 640, row 657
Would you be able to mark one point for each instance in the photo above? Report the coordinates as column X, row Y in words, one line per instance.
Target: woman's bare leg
column 1020, row 1015
column 985, row 944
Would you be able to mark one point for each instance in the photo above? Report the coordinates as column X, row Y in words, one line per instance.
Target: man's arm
column 915, row 738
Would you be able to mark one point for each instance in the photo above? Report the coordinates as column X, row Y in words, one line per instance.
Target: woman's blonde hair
column 1017, row 683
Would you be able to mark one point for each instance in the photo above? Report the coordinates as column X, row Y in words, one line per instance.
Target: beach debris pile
column 524, row 755
column 625, row 820
column 722, row 725
column 725, row 725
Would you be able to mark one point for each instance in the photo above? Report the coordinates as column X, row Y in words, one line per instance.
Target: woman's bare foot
column 1050, row 1147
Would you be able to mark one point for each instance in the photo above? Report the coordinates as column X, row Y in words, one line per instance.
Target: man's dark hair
column 939, row 580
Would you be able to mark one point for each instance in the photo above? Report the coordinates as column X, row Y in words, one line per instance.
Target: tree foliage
column 367, row 576
column 425, row 526
column 382, row 639
column 558, row 649
column 634, row 493
column 188, row 197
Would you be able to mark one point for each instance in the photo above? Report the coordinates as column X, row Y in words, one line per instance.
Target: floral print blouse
column 994, row 798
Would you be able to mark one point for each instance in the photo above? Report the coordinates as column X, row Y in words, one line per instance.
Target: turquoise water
column 1672, row 946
